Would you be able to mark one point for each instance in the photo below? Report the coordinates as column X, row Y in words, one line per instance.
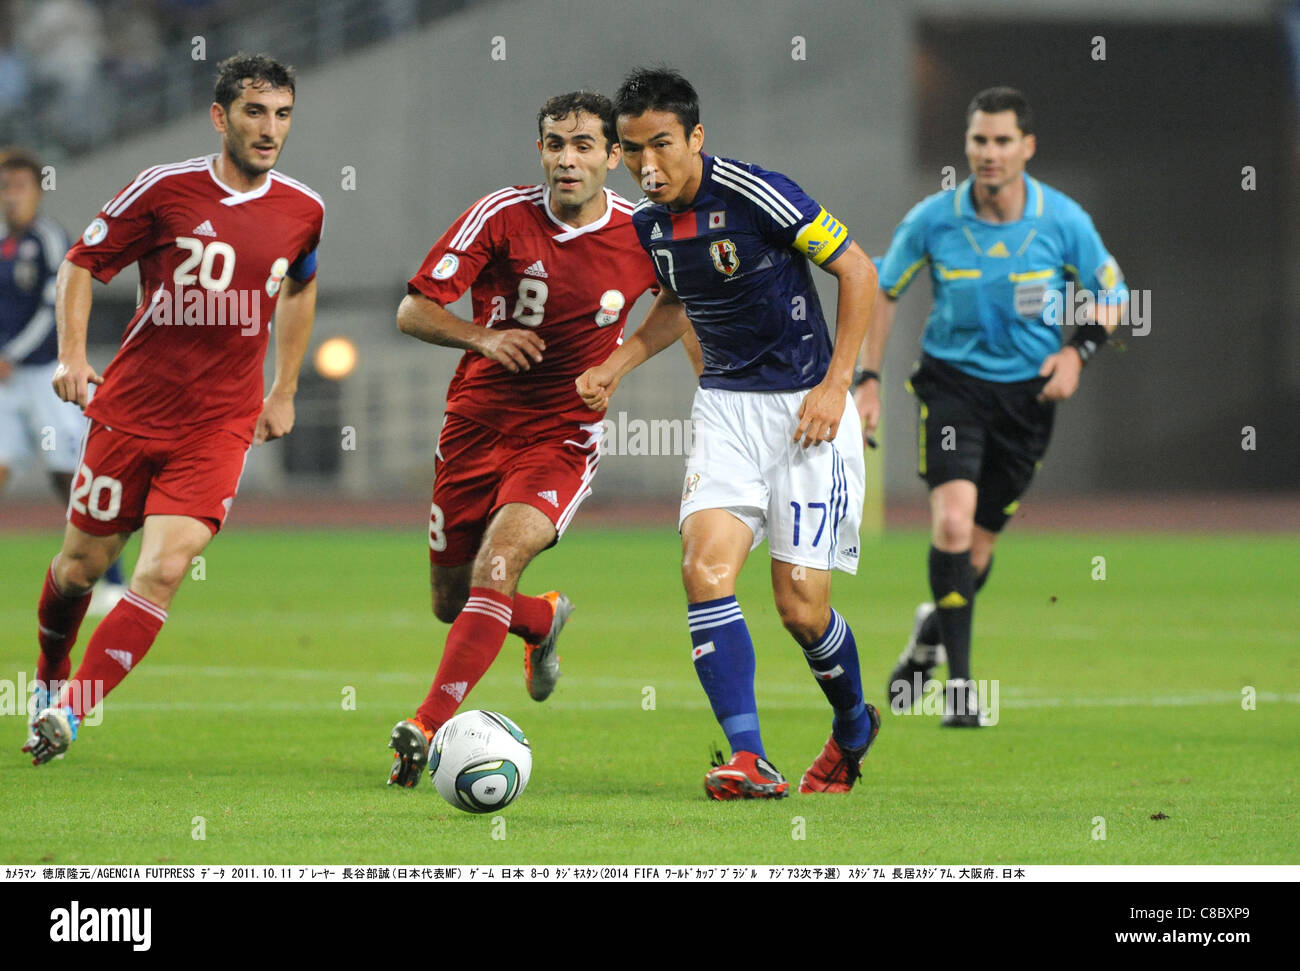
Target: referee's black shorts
column 988, row 432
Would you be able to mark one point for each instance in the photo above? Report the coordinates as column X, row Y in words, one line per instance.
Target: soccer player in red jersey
column 223, row 243
column 552, row 269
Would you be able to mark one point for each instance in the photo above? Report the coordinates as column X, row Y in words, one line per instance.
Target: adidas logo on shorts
column 550, row 496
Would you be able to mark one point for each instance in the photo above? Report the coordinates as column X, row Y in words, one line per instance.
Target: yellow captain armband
column 821, row 238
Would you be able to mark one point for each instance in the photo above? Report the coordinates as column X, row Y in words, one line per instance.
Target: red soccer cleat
column 746, row 776
column 836, row 769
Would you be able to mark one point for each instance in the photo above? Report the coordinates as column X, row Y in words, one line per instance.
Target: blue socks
column 114, row 574
column 724, row 662
column 834, row 663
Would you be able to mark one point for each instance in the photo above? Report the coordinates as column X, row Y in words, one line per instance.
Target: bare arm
column 665, row 322
column 72, row 299
column 867, row 395
column 516, row 349
column 294, row 316
column 1063, row 368
column 823, row 407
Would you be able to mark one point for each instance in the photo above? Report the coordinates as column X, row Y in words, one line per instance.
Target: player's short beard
column 246, row 166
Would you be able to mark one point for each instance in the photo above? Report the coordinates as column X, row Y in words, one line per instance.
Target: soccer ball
column 480, row 761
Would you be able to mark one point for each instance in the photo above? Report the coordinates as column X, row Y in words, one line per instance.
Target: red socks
column 472, row 645
column 531, row 618
column 119, row 643
column 59, row 619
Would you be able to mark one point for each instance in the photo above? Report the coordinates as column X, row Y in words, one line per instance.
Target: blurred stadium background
column 409, row 110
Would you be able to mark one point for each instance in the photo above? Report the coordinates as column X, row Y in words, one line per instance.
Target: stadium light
column 336, row 358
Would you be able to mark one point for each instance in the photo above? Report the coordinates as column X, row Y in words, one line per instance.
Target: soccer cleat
column 912, row 672
column 52, row 733
column 746, row 776
column 541, row 663
column 836, row 769
column 41, row 699
column 961, row 707
column 410, row 743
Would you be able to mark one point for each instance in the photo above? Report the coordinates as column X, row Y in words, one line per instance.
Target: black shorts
column 988, row 432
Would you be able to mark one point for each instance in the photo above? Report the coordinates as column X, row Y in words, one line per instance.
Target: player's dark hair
column 19, row 158
column 993, row 100
column 581, row 102
column 253, row 68
column 658, row 89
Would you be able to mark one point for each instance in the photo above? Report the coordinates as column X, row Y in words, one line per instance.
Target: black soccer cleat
column 915, row 665
column 961, row 707
column 410, row 743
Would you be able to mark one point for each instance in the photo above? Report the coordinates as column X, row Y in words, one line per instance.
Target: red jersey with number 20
column 212, row 261
column 525, row 268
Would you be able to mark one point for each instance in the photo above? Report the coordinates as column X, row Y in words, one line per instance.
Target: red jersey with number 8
column 212, row 261
column 526, row 268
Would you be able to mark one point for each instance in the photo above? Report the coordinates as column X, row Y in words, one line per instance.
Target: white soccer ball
column 480, row 761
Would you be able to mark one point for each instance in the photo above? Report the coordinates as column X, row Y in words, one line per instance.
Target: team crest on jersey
column 611, row 304
column 278, row 271
column 725, row 258
column 447, row 267
column 95, row 233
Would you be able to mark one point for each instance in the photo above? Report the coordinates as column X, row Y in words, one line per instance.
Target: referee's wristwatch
column 861, row 376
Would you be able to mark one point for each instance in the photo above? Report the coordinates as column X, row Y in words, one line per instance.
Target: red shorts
column 478, row 470
column 123, row 478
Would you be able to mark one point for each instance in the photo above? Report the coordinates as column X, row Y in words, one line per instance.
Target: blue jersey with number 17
column 737, row 257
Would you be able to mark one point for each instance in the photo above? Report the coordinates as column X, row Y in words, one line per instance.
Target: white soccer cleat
column 541, row 663
column 104, row 598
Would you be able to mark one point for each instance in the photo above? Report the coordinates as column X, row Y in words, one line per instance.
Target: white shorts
column 807, row 502
column 34, row 419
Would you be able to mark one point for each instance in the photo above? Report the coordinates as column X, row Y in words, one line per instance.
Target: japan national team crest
column 725, row 258
column 690, row 485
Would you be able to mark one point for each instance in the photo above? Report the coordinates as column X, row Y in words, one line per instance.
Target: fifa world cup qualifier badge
column 611, row 305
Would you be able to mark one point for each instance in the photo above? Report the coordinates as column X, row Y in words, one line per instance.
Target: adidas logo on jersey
column 550, row 496
column 656, row 232
column 456, row 689
column 536, row 270
column 204, row 229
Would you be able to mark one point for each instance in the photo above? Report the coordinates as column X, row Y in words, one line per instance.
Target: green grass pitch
column 1120, row 699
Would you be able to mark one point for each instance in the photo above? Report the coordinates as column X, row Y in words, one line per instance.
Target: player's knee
column 78, row 571
column 706, row 578
column 159, row 577
column 953, row 529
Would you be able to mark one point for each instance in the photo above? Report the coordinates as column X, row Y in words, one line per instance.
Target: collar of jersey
column 233, row 197
column 963, row 205
column 572, row 231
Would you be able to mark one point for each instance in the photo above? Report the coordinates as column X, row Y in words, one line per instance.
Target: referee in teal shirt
column 1013, row 263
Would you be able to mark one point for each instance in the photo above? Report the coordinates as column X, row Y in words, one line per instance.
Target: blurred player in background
column 223, row 243
column 1001, row 248
column 32, row 418
column 552, row 269
column 778, row 451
